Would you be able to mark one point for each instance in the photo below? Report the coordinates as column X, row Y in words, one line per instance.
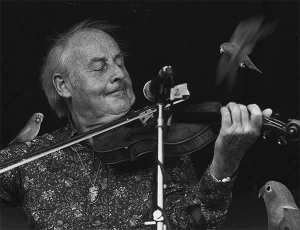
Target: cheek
column 89, row 92
column 131, row 96
column 129, row 89
column 91, row 85
column 88, row 82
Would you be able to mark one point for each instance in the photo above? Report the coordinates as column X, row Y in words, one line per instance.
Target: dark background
column 186, row 35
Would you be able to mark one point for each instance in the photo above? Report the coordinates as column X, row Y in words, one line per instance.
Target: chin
column 121, row 105
column 121, row 108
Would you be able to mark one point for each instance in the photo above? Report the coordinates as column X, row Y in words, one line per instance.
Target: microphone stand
column 158, row 214
column 160, row 156
column 161, row 94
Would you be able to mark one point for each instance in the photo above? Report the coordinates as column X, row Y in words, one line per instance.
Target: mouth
column 116, row 91
column 221, row 50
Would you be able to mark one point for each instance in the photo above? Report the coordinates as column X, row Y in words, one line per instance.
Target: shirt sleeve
column 215, row 199
column 184, row 190
column 10, row 180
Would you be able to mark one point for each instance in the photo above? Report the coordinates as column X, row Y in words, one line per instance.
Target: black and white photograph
column 149, row 115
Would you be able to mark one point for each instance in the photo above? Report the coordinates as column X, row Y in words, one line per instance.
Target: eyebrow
column 118, row 55
column 102, row 59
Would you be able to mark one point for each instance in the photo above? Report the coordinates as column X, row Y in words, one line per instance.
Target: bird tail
column 252, row 66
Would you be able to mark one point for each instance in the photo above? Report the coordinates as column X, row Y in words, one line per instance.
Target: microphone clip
column 161, row 86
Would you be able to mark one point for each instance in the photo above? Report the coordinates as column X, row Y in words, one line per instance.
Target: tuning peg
column 282, row 140
column 293, row 128
column 266, row 134
column 293, row 131
column 276, row 115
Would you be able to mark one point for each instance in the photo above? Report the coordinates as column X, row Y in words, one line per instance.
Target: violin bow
column 143, row 114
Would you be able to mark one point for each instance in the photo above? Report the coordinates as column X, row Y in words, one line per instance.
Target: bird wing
column 233, row 67
column 228, row 66
column 245, row 35
column 22, row 135
column 290, row 220
column 263, row 31
column 250, row 31
column 30, row 130
column 222, row 68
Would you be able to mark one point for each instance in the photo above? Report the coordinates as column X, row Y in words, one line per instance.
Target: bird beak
column 261, row 192
column 221, row 50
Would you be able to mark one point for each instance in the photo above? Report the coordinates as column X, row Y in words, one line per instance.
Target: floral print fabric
column 54, row 191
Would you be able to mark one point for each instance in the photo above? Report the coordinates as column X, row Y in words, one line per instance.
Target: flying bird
column 30, row 130
column 242, row 42
column 283, row 213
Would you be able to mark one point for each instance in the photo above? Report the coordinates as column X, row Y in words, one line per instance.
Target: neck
column 88, row 122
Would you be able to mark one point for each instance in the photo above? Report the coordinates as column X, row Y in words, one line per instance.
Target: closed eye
column 100, row 66
column 97, row 64
column 103, row 67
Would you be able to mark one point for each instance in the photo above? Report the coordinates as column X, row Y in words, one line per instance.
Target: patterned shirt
column 73, row 189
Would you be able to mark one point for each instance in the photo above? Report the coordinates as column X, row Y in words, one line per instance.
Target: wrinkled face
column 101, row 85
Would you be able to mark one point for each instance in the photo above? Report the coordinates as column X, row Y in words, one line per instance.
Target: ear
column 62, row 86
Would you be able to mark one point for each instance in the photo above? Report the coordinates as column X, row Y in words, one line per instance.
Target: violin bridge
column 148, row 114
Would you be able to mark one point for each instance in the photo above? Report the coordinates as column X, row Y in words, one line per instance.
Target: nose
column 119, row 73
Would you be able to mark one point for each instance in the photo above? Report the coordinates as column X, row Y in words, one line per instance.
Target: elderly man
column 84, row 78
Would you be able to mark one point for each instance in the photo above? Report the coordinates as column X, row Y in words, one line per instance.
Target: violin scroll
column 283, row 132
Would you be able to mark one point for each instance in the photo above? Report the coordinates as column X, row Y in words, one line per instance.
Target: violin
column 186, row 134
column 135, row 134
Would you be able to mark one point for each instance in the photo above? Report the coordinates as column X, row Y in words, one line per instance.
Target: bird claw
column 242, row 65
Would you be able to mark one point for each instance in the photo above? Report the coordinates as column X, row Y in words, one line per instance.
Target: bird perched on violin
column 241, row 43
column 30, row 130
column 283, row 213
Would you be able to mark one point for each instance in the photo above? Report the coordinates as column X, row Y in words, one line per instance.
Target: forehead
column 93, row 43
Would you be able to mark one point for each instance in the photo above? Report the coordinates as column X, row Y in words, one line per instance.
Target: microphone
column 151, row 87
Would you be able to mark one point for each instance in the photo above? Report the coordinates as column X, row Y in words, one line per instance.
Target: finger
column 235, row 113
column 244, row 115
column 267, row 112
column 255, row 116
column 226, row 117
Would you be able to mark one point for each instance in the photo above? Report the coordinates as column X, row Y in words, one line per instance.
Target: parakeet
column 283, row 213
column 30, row 130
column 241, row 43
